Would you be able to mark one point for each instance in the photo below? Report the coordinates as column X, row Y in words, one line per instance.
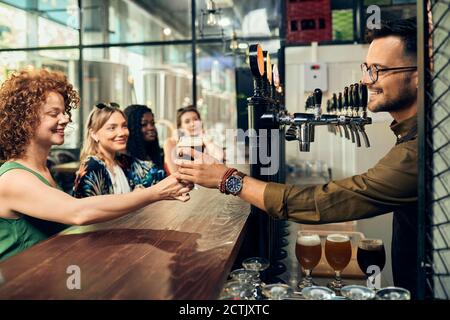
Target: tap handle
column 346, row 102
column 334, row 102
column 350, row 97
column 339, row 102
column 364, row 96
column 329, row 107
column 356, row 99
column 317, row 97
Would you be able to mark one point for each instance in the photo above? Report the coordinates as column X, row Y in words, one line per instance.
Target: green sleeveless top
column 17, row 235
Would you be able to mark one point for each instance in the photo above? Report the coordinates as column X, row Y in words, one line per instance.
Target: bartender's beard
column 404, row 99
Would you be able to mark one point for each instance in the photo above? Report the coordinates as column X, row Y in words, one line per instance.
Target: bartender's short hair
column 406, row 29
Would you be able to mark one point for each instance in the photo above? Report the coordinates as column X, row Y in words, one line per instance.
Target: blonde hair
column 96, row 120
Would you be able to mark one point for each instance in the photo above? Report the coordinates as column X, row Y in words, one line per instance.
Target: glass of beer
column 308, row 250
column 371, row 253
column 194, row 142
column 338, row 251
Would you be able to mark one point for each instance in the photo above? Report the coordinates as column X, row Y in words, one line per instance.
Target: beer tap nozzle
column 305, row 135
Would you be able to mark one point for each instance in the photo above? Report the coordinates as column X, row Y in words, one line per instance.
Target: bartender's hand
column 203, row 170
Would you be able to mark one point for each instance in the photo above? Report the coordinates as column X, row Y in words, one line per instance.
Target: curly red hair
column 21, row 98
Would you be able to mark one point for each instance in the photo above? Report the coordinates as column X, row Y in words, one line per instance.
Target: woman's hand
column 172, row 188
column 204, row 170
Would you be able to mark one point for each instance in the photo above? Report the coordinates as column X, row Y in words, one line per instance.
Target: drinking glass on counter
column 249, row 277
column 237, row 290
column 277, row 291
column 308, row 250
column 318, row 293
column 371, row 253
column 338, row 251
column 258, row 264
column 393, row 293
column 356, row 292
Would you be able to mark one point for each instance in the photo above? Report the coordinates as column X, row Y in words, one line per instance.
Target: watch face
column 233, row 185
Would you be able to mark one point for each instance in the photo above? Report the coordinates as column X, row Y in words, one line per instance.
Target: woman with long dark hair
column 143, row 141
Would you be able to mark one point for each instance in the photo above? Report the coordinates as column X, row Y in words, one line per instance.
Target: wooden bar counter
column 167, row 250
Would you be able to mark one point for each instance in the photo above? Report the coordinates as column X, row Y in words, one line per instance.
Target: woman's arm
column 24, row 193
column 169, row 150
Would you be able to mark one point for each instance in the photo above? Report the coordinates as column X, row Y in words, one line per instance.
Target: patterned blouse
column 93, row 178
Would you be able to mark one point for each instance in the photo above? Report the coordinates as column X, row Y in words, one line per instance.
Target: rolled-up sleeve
column 390, row 184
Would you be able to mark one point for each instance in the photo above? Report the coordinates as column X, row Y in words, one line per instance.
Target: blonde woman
column 105, row 168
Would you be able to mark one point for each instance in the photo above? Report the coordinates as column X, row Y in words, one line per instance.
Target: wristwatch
column 234, row 183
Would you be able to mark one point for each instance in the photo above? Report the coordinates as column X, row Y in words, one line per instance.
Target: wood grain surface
column 168, row 250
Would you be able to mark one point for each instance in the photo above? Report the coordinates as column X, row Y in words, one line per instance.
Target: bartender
column 390, row 74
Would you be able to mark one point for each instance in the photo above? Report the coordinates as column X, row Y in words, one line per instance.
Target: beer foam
column 371, row 244
column 337, row 238
column 309, row 240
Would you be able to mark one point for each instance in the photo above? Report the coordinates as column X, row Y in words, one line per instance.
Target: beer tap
column 354, row 100
column 330, row 110
column 363, row 113
column 335, row 108
column 347, row 112
column 340, row 113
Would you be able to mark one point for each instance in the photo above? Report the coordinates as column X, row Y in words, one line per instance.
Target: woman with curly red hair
column 35, row 108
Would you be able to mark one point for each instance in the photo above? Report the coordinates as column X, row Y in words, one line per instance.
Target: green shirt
column 17, row 235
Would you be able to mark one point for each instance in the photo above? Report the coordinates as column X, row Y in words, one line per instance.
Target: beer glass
column 370, row 253
column 318, row 293
column 393, row 293
column 257, row 264
column 194, row 142
column 236, row 290
column 356, row 292
column 308, row 250
column 338, row 251
column 277, row 291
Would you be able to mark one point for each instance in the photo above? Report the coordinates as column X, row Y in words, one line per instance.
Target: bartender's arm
column 390, row 184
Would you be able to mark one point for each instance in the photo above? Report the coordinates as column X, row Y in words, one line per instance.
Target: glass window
column 245, row 18
column 124, row 21
column 342, row 21
column 46, row 23
column 216, row 88
column 158, row 76
column 65, row 61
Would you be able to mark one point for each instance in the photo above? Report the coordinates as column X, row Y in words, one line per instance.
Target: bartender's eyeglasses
column 102, row 105
column 373, row 70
